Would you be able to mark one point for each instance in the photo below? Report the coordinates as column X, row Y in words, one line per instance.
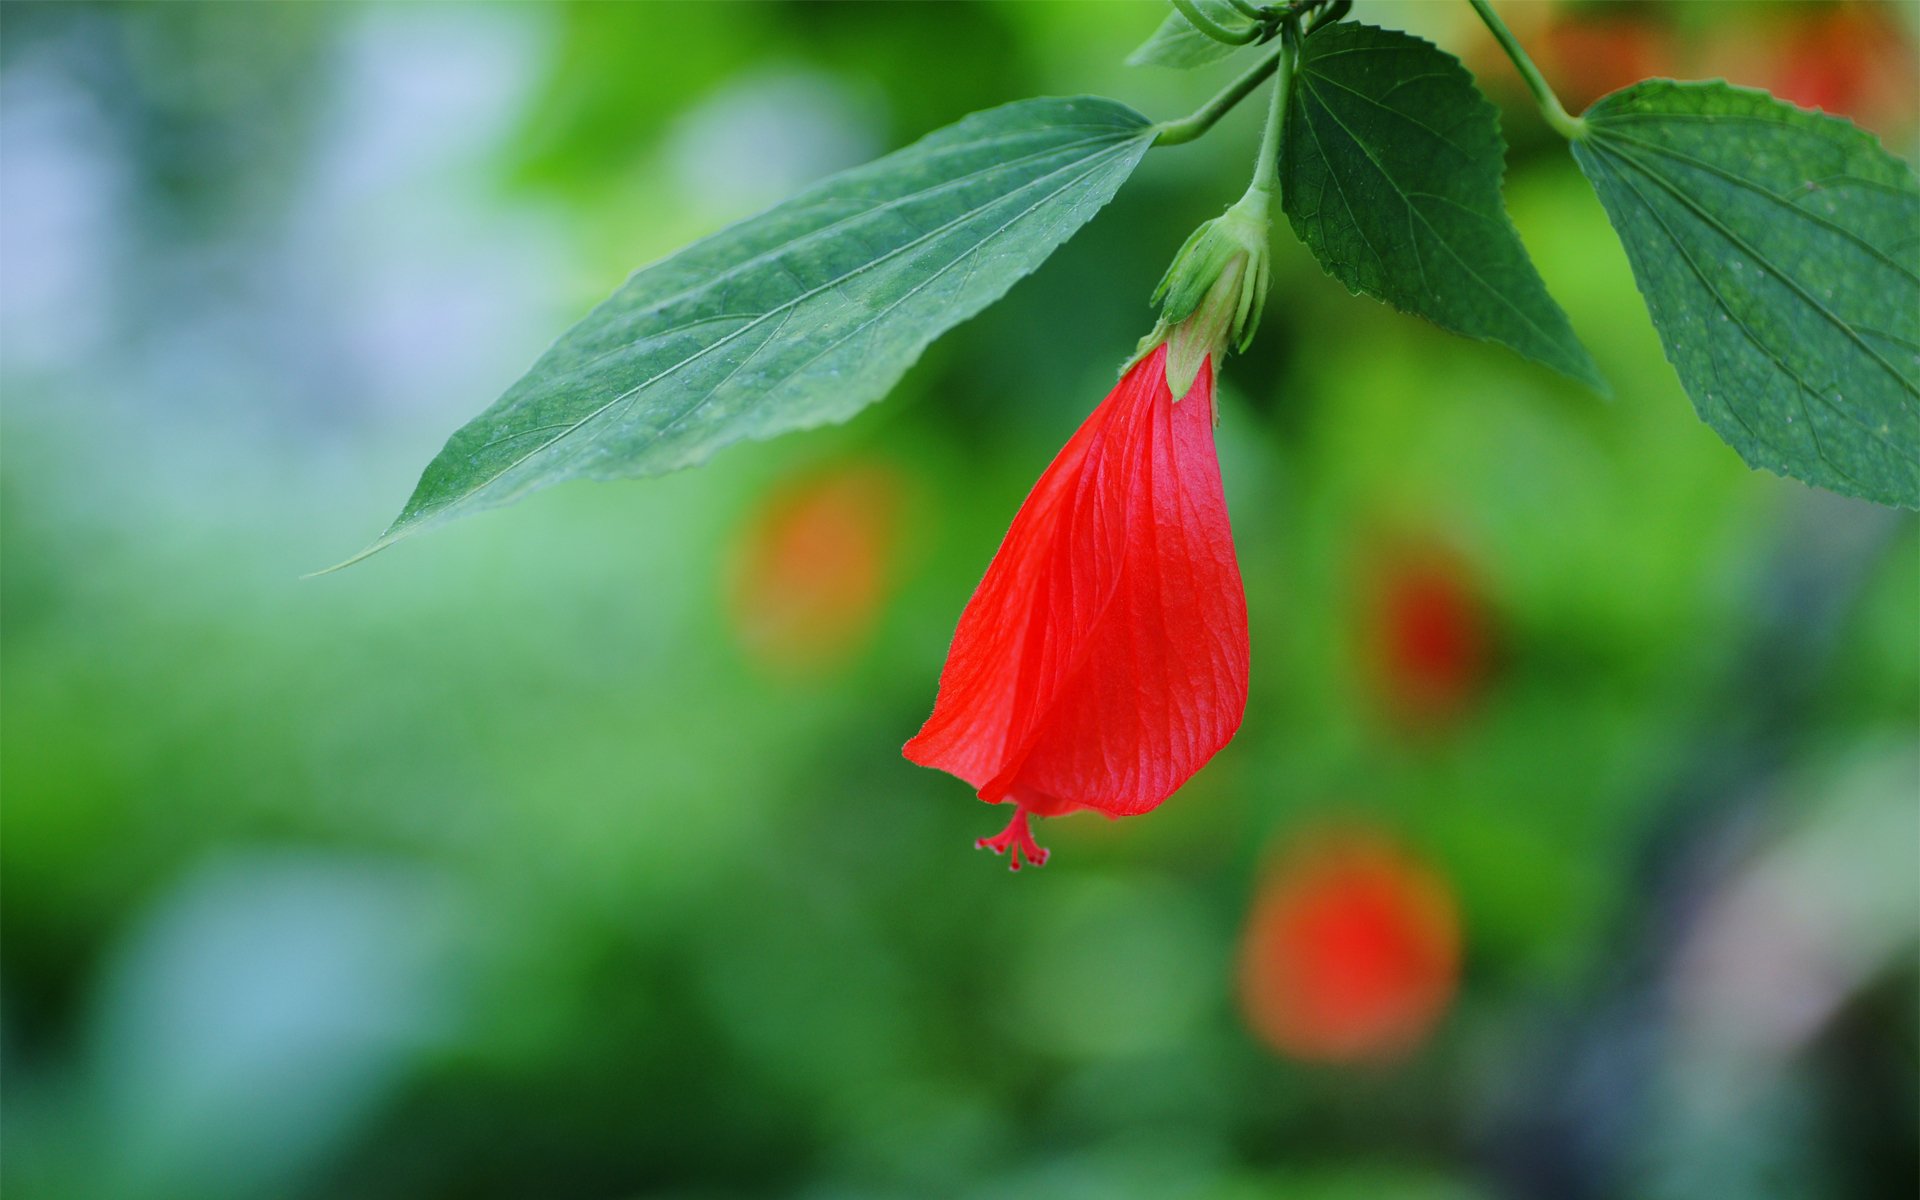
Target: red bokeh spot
column 1853, row 61
column 1425, row 636
column 814, row 566
column 1586, row 56
column 1352, row 953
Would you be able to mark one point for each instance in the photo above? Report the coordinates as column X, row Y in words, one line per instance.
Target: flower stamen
column 1015, row 840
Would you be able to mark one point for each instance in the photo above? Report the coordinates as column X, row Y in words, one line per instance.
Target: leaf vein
column 1749, row 185
column 1787, row 368
column 1388, row 108
column 1760, row 259
column 573, row 427
column 1464, row 264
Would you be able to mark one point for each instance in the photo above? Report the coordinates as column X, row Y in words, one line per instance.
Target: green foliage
column 1779, row 253
column 1391, row 175
column 1178, row 44
column 798, row 317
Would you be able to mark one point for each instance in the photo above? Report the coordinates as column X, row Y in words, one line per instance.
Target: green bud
column 1213, row 294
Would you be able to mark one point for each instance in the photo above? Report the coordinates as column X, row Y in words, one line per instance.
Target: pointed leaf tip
column 1391, row 171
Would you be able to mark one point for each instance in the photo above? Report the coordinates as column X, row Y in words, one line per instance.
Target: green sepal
column 1214, row 292
column 1210, row 329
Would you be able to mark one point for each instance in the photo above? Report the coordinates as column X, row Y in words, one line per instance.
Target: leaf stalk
column 1565, row 124
column 1266, row 167
column 1186, row 129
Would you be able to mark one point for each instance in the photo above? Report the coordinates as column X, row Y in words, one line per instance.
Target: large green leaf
column 1779, row 253
column 802, row 315
column 1390, row 173
column 1178, row 44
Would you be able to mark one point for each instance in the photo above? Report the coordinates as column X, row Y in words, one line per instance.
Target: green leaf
column 1779, row 253
column 1178, row 44
column 802, row 315
column 1390, row 173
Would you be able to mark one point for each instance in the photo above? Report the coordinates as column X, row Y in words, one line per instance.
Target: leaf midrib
column 1383, row 106
column 834, row 227
column 972, row 259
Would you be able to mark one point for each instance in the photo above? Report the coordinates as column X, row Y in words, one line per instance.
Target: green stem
column 1571, row 127
column 1246, row 9
column 1172, row 133
column 1329, row 14
column 1214, row 30
column 1266, row 168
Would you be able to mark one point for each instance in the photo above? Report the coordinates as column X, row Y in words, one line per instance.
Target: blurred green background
column 569, row 851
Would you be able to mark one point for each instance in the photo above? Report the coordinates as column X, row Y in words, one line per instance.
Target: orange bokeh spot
column 1352, row 953
column 814, row 566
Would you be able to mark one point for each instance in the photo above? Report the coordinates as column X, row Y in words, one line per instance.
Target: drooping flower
column 1352, row 952
column 1103, row 658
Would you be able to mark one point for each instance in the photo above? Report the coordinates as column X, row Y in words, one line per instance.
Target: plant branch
column 1172, row 133
column 1570, row 127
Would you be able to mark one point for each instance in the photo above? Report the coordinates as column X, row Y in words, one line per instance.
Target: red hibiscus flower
column 1103, row 658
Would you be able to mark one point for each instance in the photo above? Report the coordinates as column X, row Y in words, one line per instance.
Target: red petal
column 1103, row 659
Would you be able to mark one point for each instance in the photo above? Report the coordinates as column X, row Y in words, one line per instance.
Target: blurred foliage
column 509, row 864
